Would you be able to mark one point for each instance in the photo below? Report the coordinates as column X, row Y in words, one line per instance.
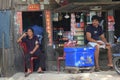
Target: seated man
column 96, row 38
column 33, row 49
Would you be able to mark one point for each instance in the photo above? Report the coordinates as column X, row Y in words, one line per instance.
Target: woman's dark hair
column 95, row 17
column 30, row 29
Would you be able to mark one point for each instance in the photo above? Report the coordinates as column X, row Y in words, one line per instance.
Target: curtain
column 5, row 28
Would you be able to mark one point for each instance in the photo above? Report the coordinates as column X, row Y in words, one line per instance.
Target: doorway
column 35, row 19
column 31, row 18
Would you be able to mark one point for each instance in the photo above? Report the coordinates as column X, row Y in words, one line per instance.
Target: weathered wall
column 5, row 4
column 11, row 58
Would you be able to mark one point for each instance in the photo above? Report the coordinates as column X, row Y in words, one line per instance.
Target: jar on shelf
column 60, row 33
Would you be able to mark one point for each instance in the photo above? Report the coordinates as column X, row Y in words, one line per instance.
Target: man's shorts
column 93, row 44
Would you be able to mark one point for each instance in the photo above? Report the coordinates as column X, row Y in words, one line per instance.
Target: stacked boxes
column 79, row 56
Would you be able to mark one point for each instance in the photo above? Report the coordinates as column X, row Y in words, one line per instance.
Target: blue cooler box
column 79, row 56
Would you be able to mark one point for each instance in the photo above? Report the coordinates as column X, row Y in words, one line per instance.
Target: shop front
column 79, row 16
column 70, row 22
column 34, row 16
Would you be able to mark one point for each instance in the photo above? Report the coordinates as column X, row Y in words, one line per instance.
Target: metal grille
column 5, row 4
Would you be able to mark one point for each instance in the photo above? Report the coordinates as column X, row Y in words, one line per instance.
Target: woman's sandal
column 40, row 72
column 27, row 74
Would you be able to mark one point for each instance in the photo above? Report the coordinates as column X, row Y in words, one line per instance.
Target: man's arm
column 88, row 36
column 103, row 38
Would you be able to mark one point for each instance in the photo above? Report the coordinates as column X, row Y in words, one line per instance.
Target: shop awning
column 88, row 6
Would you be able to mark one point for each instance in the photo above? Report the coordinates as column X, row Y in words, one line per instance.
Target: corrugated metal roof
column 5, row 4
column 86, row 6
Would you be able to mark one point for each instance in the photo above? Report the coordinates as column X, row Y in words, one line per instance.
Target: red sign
column 19, row 21
column 34, row 7
column 48, row 26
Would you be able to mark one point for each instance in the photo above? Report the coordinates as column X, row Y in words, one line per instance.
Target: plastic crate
column 79, row 56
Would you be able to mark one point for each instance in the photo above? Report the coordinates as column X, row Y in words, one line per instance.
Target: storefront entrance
column 34, row 19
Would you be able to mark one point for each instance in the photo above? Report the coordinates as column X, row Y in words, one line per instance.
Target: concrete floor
column 53, row 75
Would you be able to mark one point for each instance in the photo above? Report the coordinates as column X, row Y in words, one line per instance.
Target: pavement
column 54, row 75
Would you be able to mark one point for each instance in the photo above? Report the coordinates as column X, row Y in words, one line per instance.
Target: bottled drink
column 82, row 24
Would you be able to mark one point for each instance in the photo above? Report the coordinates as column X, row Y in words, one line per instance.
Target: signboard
column 34, row 7
column 48, row 26
column 19, row 21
